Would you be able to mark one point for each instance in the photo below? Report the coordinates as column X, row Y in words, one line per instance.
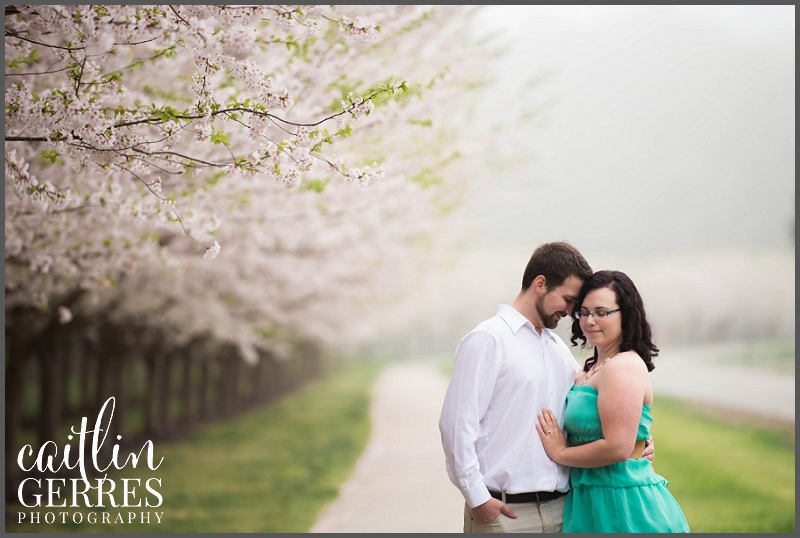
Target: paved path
column 400, row 483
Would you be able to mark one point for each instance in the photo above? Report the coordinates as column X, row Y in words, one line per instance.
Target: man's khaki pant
column 531, row 517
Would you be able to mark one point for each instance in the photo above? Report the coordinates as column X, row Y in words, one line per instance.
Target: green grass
column 728, row 475
column 269, row 470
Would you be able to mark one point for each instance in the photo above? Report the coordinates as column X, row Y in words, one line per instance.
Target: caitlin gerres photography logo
column 94, row 498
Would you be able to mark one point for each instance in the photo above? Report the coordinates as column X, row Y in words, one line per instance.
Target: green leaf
column 50, row 156
column 219, row 137
column 345, row 131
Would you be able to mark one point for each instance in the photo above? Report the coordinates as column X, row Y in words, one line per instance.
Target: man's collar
column 515, row 320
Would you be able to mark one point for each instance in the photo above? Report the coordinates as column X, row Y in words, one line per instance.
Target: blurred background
column 658, row 140
column 661, row 143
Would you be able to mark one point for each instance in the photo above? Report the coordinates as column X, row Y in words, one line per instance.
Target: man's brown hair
column 557, row 261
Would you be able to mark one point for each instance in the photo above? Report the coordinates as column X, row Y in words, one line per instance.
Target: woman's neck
column 607, row 352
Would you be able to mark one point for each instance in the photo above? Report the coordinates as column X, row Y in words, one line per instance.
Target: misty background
column 660, row 143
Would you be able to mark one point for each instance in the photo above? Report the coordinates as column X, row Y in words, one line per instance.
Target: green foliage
column 151, row 236
column 168, row 52
column 270, row 470
column 32, row 58
column 345, row 131
column 418, row 22
column 427, row 176
column 50, row 156
column 425, row 122
column 166, row 113
column 219, row 137
column 316, row 185
column 379, row 94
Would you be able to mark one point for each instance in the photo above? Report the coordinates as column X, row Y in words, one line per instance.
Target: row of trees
column 215, row 196
column 160, row 392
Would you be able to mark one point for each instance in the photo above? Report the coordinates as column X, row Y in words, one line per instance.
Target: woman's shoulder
column 627, row 361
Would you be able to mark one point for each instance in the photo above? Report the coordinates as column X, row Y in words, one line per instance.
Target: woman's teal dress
column 622, row 497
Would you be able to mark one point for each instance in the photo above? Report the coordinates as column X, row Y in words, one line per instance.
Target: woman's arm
column 621, row 391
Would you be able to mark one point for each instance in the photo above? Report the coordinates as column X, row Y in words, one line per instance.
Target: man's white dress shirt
column 504, row 373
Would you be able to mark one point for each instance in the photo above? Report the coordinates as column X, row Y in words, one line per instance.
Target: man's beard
column 550, row 321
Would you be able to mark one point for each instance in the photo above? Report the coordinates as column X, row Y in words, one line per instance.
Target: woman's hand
column 649, row 452
column 551, row 435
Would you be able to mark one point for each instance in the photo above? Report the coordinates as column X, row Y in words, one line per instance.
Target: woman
column 607, row 420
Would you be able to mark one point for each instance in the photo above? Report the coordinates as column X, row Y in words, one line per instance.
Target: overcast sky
column 659, row 129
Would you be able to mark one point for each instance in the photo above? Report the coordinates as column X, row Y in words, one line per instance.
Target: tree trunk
column 269, row 374
column 187, row 388
column 205, row 386
column 120, row 368
column 151, row 401
column 88, row 350
column 71, row 372
column 234, row 383
column 164, row 375
column 222, row 383
column 18, row 353
column 102, row 384
column 51, row 356
column 257, row 381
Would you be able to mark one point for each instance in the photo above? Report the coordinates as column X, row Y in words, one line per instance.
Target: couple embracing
column 515, row 385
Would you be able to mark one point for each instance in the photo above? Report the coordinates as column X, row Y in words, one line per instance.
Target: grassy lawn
column 268, row 470
column 728, row 474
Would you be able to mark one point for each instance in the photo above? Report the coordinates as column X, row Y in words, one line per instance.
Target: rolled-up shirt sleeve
column 465, row 405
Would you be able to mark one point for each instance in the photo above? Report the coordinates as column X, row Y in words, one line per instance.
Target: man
column 506, row 369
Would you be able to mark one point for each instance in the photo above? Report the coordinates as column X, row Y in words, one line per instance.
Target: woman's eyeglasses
column 581, row 314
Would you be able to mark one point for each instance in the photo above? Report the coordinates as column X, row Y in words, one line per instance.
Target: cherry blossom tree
column 133, row 132
column 242, row 180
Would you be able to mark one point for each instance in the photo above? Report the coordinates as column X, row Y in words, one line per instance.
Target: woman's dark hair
column 636, row 333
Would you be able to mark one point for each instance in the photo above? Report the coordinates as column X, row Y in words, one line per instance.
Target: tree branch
column 175, row 11
column 17, row 36
column 26, row 139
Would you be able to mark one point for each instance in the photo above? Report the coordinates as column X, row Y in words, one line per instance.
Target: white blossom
column 212, row 251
